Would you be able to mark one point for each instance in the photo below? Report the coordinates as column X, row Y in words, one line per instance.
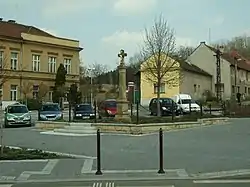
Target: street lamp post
column 91, row 84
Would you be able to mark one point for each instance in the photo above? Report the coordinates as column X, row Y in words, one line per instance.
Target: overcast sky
column 105, row 26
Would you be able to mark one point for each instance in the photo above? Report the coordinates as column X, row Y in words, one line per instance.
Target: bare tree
column 26, row 89
column 184, row 52
column 96, row 72
column 43, row 90
column 4, row 76
column 159, row 67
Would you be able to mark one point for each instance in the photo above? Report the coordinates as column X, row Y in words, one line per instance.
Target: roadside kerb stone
column 154, row 127
column 50, row 125
column 133, row 128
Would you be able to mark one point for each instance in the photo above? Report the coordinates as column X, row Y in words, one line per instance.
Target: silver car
column 50, row 112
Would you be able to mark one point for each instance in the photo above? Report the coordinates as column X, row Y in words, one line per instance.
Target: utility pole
column 218, row 75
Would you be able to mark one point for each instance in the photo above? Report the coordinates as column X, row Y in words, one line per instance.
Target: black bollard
column 95, row 105
column 201, row 109
column 137, row 112
column 173, row 110
column 210, row 109
column 69, row 112
column 190, row 110
column 161, row 168
column 131, row 110
column 98, row 151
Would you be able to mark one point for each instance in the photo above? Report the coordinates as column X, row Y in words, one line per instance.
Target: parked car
column 84, row 111
column 17, row 115
column 185, row 101
column 107, row 108
column 167, row 106
column 50, row 112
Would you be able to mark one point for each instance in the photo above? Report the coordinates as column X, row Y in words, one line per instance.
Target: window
column 35, row 91
column 50, row 107
column 50, row 95
column 1, row 59
column 17, row 109
column 14, row 61
column 195, row 88
column 52, row 64
column 36, row 62
column 67, row 65
column 13, row 92
column 248, row 91
column 162, row 88
column 233, row 89
column 245, row 90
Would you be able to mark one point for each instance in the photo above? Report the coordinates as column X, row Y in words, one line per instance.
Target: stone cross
column 122, row 55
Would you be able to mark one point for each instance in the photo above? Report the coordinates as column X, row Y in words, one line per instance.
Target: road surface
column 138, row 183
column 198, row 150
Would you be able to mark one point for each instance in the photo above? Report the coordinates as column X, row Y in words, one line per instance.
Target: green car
column 17, row 115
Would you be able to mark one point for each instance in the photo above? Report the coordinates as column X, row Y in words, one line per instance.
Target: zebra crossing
column 106, row 184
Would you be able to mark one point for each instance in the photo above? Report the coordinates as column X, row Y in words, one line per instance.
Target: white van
column 184, row 101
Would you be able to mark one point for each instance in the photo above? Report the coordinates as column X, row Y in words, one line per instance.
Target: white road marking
column 23, row 161
column 87, row 166
column 221, row 181
column 5, row 178
column 179, row 172
column 182, row 173
column 46, row 170
column 6, row 185
column 65, row 134
column 219, row 174
column 110, row 184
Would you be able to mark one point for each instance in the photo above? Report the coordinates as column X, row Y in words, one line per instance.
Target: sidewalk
column 74, row 169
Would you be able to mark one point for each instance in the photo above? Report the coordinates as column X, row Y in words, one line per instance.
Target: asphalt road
column 198, row 150
column 138, row 183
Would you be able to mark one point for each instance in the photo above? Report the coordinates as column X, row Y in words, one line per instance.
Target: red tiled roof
column 242, row 62
column 14, row 30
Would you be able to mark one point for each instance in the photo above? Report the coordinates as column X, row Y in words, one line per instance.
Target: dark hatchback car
column 84, row 111
column 167, row 106
column 50, row 112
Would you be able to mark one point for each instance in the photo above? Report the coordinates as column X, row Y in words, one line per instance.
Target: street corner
column 13, row 169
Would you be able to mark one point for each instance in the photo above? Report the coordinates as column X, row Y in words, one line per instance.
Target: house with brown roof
column 235, row 69
column 29, row 57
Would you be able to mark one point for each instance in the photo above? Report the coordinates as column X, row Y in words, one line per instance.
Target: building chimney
column 1, row 19
column 203, row 42
column 11, row 21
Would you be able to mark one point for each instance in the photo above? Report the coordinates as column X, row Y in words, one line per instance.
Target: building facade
column 29, row 57
column 193, row 81
column 235, row 70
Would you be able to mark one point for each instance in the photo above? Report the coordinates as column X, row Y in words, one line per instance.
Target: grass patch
column 26, row 154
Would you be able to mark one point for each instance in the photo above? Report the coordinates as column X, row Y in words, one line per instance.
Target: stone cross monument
column 122, row 102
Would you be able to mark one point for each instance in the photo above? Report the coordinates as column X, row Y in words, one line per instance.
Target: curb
column 57, row 153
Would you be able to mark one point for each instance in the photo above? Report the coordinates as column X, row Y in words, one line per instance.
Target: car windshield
column 17, row 109
column 166, row 101
column 187, row 101
column 111, row 104
column 84, row 108
column 50, row 108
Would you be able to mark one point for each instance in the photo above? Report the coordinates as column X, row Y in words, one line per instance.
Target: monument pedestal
column 122, row 112
column 122, row 102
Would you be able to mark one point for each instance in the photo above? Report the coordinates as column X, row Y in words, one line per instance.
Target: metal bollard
column 201, row 109
column 69, row 112
column 95, row 112
column 98, row 151
column 161, row 168
column 137, row 112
